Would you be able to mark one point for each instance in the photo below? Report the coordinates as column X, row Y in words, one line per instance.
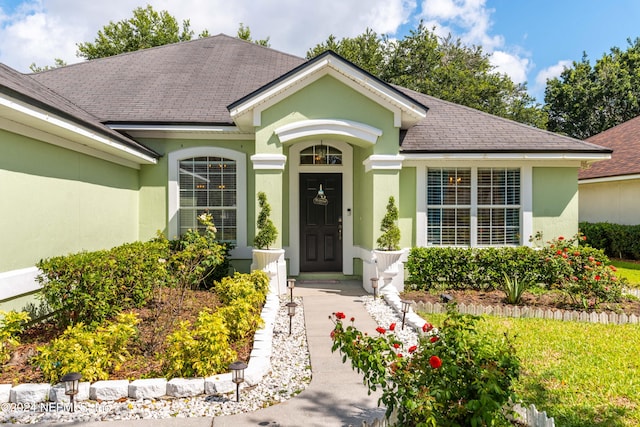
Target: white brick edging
column 259, row 365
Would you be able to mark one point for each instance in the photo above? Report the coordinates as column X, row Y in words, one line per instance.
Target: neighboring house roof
column 17, row 87
column 199, row 82
column 624, row 140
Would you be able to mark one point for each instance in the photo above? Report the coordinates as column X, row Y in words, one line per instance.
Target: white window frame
column 240, row 158
column 526, row 198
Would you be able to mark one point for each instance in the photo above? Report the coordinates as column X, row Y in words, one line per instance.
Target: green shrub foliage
column 455, row 376
column 90, row 287
column 582, row 272
column 94, row 353
column 267, row 231
column 389, row 240
column 11, row 325
column 200, row 350
column 617, row 241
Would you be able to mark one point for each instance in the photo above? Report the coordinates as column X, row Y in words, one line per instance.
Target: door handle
column 340, row 228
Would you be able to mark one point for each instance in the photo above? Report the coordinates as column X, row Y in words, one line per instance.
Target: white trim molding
column 241, row 188
column 383, row 162
column 609, row 179
column 18, row 282
column 269, row 161
column 330, row 127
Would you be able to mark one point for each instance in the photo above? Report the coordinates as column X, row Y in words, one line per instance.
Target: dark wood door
column 321, row 222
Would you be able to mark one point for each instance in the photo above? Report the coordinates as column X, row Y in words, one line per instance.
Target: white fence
column 532, row 312
column 530, row 417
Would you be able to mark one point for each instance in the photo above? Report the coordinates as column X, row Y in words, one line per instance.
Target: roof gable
column 624, row 140
column 407, row 111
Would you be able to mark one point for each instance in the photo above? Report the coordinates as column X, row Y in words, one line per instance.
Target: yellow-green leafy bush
column 201, row 349
column 11, row 325
column 94, row 353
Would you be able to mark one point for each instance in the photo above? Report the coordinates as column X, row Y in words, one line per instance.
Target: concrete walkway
column 335, row 397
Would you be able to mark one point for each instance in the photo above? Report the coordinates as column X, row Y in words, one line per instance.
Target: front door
column 321, row 222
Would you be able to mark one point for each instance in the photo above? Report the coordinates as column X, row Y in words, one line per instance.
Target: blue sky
column 530, row 40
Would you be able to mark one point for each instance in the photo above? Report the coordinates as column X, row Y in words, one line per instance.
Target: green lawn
column 581, row 374
column 630, row 271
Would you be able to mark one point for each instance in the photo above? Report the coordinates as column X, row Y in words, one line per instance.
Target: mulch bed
column 156, row 323
column 549, row 300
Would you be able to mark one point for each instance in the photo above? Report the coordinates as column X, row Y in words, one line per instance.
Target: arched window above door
column 321, row 155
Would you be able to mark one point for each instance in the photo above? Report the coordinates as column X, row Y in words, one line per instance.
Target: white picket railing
column 529, row 416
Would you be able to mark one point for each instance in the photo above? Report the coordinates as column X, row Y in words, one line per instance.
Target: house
column 609, row 190
column 112, row 150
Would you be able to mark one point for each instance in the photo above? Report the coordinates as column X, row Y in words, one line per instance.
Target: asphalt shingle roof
column 624, row 140
column 24, row 88
column 190, row 82
column 194, row 83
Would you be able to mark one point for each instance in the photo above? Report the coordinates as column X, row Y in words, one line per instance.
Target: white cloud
column 512, row 65
column 551, row 72
column 47, row 29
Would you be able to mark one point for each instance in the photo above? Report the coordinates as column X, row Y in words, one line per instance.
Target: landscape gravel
column 290, row 374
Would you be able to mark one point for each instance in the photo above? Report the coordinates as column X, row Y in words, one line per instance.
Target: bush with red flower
column 582, row 272
column 462, row 377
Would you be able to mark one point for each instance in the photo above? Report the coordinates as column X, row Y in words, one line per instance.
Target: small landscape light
column 291, row 283
column 71, row 386
column 291, row 311
column 406, row 305
column 237, row 376
column 374, row 285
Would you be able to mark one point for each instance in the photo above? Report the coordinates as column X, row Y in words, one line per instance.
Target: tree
column 586, row 100
column 57, row 62
column 244, row 33
column 147, row 28
column 441, row 67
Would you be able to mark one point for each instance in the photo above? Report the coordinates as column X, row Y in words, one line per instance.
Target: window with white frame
column 208, row 184
column 473, row 206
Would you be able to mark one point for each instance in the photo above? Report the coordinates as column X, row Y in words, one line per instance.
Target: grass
column 629, row 270
column 580, row 374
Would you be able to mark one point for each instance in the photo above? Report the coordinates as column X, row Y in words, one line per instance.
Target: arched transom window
column 208, row 184
column 321, row 155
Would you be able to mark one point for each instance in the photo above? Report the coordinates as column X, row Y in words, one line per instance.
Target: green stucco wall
column 408, row 207
column 61, row 202
column 555, row 201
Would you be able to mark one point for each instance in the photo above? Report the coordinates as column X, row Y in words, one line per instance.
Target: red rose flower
column 597, row 277
column 591, row 259
column 396, row 345
column 399, row 354
column 381, row 330
column 558, row 252
column 333, row 334
column 560, row 238
column 435, row 362
column 434, row 338
column 413, row 348
column 427, row 327
column 340, row 315
column 392, row 326
column 576, row 253
column 584, row 238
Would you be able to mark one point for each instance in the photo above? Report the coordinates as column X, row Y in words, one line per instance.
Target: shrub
column 11, row 325
column 390, row 238
column 616, row 240
column 252, row 287
column 199, row 351
column 267, row 231
column 582, row 272
column 454, row 376
column 197, row 256
column 93, row 286
column 93, row 353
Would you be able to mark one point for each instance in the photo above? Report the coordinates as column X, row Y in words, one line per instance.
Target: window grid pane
column 208, row 185
column 449, row 206
column 498, row 206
